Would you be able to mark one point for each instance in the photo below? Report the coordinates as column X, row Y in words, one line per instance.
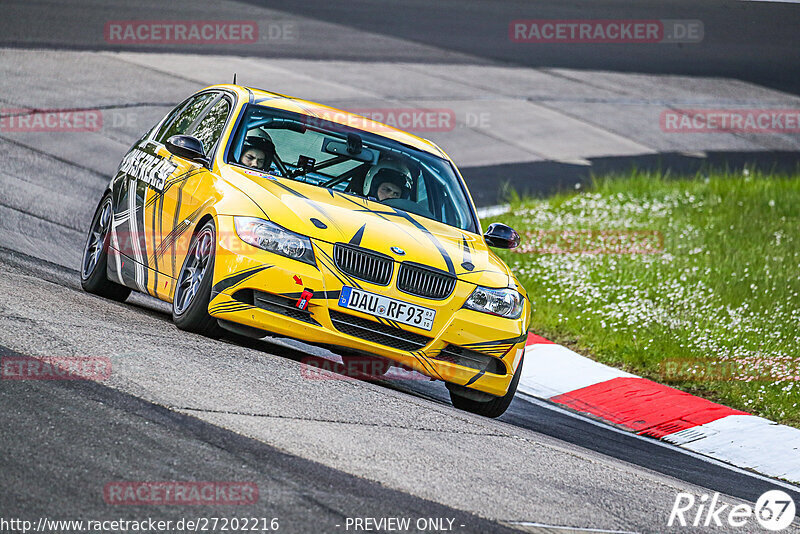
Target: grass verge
column 694, row 283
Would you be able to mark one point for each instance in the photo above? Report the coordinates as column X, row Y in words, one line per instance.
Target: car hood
column 327, row 215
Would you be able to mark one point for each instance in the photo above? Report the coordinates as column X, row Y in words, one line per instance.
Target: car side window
column 182, row 118
column 210, row 127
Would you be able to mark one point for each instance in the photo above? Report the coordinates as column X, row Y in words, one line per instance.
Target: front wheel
column 193, row 290
column 94, row 262
column 482, row 404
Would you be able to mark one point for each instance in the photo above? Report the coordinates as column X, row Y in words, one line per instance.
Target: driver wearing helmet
column 258, row 150
column 387, row 180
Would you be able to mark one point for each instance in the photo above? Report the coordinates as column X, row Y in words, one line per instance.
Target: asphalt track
column 755, row 41
column 151, row 421
column 182, row 407
column 85, row 434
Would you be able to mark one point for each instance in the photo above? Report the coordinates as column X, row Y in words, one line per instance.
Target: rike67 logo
column 774, row 510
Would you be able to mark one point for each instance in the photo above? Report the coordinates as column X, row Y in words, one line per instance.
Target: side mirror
column 187, row 147
column 500, row 235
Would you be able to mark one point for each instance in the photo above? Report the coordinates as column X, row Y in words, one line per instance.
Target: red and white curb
column 559, row 375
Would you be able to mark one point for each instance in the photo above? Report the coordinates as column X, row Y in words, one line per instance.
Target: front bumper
column 260, row 289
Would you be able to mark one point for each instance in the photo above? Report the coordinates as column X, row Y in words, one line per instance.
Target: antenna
column 234, row 78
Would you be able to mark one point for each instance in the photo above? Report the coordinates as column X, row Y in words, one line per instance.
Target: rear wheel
column 193, row 290
column 95, row 256
column 481, row 403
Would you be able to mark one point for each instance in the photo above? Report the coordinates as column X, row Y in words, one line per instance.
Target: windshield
column 327, row 154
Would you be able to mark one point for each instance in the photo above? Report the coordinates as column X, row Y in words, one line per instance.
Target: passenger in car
column 389, row 175
column 258, row 150
column 388, row 190
column 253, row 157
column 389, row 183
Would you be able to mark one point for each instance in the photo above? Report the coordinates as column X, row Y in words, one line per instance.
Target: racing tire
column 193, row 288
column 94, row 261
column 494, row 407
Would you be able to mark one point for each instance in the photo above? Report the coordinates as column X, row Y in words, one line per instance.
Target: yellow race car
column 269, row 215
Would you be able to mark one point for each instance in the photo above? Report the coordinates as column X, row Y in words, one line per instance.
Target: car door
column 148, row 194
column 188, row 192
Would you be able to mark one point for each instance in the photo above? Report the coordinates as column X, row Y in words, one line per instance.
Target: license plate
column 387, row 308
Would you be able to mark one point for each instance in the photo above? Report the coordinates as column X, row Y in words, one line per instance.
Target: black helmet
column 392, row 176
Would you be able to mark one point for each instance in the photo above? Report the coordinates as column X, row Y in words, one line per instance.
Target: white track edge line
column 682, row 448
column 697, row 455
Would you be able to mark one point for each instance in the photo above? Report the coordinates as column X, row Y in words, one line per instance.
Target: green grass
column 723, row 294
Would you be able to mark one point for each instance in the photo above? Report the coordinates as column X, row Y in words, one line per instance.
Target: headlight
column 273, row 238
column 503, row 302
